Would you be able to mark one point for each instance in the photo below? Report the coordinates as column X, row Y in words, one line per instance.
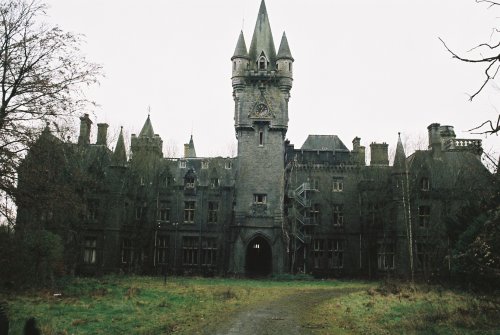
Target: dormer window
column 189, row 182
column 262, row 62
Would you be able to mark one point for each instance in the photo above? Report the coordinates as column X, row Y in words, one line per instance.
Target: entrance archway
column 258, row 258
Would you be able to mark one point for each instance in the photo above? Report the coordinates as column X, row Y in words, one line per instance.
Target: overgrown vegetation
column 394, row 308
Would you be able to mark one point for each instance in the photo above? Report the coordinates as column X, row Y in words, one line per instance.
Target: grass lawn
column 145, row 305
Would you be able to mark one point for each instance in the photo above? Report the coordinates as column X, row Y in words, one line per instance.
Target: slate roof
column 241, row 48
column 284, row 49
column 323, row 142
column 147, row 129
column 262, row 39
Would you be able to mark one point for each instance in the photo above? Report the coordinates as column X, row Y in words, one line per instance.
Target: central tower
column 261, row 82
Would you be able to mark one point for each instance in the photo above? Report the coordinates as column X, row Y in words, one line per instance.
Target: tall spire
column 241, row 48
column 147, row 129
column 189, row 150
column 120, row 155
column 262, row 40
column 400, row 156
column 284, row 49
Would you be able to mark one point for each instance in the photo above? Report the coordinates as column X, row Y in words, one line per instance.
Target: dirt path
column 280, row 317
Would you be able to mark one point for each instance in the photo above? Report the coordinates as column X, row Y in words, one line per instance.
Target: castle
column 272, row 209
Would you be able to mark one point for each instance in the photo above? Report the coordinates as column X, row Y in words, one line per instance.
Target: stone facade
column 272, row 209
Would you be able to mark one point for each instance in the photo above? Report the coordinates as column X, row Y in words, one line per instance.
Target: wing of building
column 272, row 209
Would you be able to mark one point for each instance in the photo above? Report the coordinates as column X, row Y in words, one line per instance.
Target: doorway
column 258, row 258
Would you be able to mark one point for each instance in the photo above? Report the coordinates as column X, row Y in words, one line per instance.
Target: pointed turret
column 400, row 156
column 284, row 49
column 120, row 155
column 241, row 48
column 147, row 129
column 262, row 41
column 189, row 150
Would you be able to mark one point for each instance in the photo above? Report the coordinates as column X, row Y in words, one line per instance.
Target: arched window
column 262, row 63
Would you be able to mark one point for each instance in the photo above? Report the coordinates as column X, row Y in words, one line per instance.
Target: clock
column 261, row 109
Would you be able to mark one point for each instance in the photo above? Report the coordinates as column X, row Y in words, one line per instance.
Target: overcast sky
column 362, row 68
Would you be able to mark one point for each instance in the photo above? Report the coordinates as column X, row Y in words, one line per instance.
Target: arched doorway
column 258, row 258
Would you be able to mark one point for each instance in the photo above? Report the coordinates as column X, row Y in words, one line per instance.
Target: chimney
column 434, row 137
column 102, row 134
column 85, row 124
column 358, row 151
column 379, row 154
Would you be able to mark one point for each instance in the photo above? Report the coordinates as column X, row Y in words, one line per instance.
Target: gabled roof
column 262, row 39
column 284, row 49
column 241, row 48
column 147, row 129
column 323, row 142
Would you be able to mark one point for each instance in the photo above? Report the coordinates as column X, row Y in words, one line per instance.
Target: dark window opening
column 338, row 215
column 127, row 251
column 261, row 138
column 260, row 199
column 209, row 252
column 90, row 250
column 190, row 250
column 162, row 250
column 213, row 209
column 189, row 211
column 258, row 257
column 424, row 216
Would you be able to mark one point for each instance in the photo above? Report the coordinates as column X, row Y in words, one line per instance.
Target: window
column 214, row 182
column 262, row 63
column 385, row 255
column 190, row 250
column 424, row 215
column 93, row 210
column 315, row 214
column 338, row 185
column 140, row 212
column 204, row 164
column 373, row 214
column 228, row 164
column 189, row 182
column 189, row 211
column 182, row 164
column 209, row 251
column 318, row 253
column 90, row 250
column 164, row 212
column 162, row 250
column 335, row 254
column 290, row 67
column 260, row 199
column 338, row 215
column 234, row 65
column 261, row 138
column 213, row 208
column 142, row 181
column 424, row 184
column 127, row 251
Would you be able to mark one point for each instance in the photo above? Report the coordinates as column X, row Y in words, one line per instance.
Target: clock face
column 261, row 110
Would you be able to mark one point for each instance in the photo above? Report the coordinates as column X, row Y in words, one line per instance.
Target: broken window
column 338, row 185
column 209, row 251
column 90, row 250
column 213, row 209
column 190, row 250
column 338, row 215
column 424, row 184
column 162, row 250
column 127, row 251
column 385, row 256
column 336, row 254
column 189, row 211
column 164, row 212
column 315, row 214
column 424, row 215
column 318, row 253
column 260, row 199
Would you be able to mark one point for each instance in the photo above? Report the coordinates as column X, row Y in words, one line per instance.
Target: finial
column 149, row 110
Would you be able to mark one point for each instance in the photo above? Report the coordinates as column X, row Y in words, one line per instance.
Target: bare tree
column 42, row 78
column 489, row 54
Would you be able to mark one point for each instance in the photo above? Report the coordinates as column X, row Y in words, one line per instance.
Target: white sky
column 362, row 68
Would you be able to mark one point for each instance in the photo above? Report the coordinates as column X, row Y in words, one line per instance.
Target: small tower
column 284, row 63
column 147, row 142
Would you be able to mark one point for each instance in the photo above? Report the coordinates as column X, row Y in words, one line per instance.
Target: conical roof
column 147, row 129
column 284, row 50
column 120, row 155
column 189, row 150
column 241, row 48
column 262, row 39
column 400, row 156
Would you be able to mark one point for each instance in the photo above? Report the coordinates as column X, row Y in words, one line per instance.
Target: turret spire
column 400, row 156
column 189, row 150
column 284, row 49
column 262, row 40
column 120, row 155
column 241, row 48
column 147, row 129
